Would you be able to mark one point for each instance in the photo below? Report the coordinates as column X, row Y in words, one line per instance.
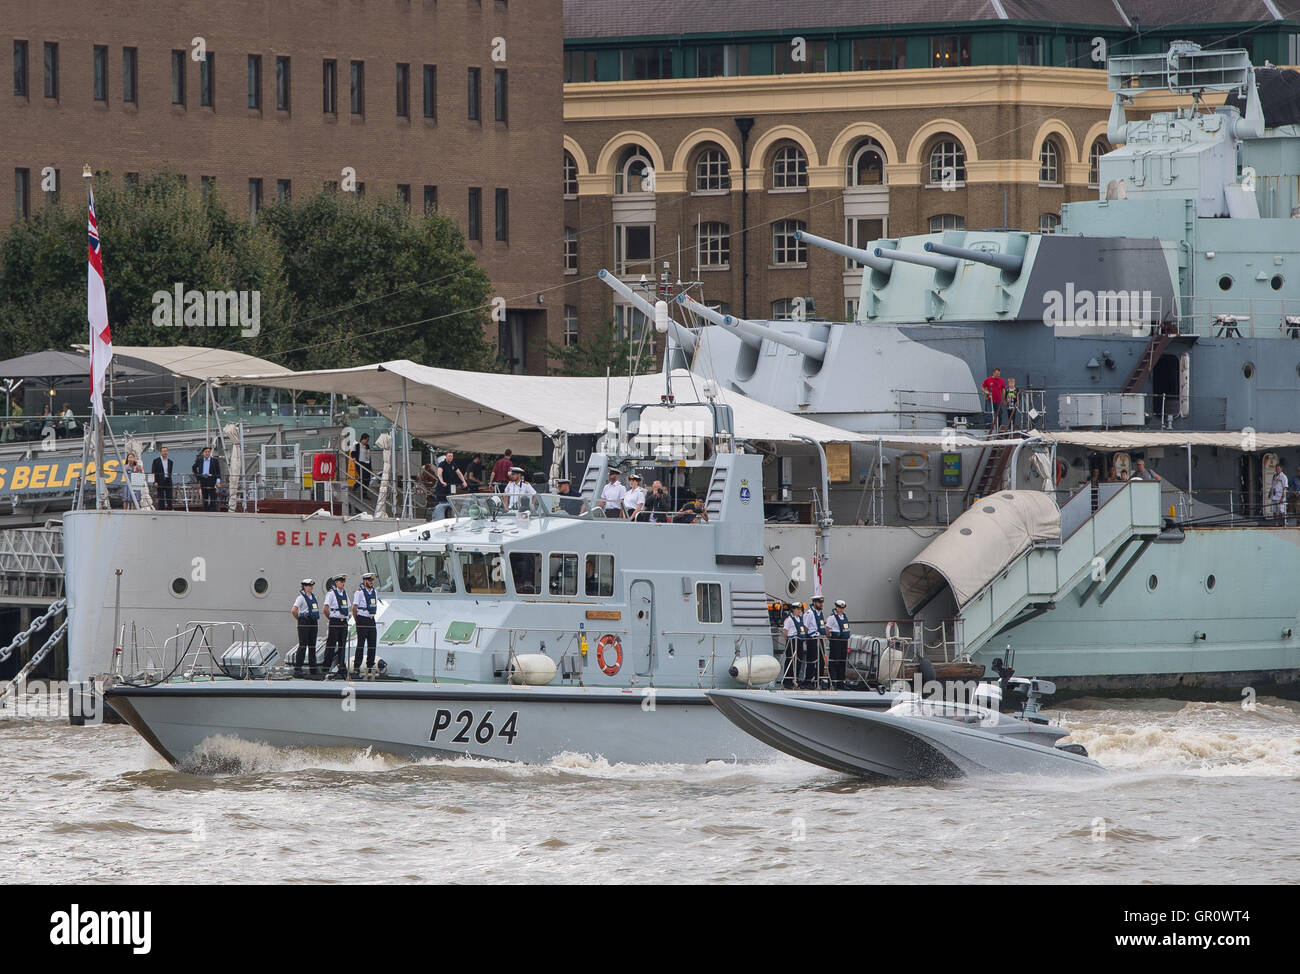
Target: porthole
column 1152, row 582
column 180, row 586
column 1248, row 370
column 1210, row 582
column 792, row 586
column 261, row 586
column 1225, row 282
column 1277, row 282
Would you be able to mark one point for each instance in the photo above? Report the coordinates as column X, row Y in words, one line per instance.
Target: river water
column 1201, row 793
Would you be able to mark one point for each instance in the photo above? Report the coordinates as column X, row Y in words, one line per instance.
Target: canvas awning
column 978, row 545
column 192, row 361
column 54, row 364
column 1246, row 441
column 493, row 412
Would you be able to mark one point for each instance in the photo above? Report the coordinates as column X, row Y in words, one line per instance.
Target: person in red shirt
column 501, row 472
column 994, row 386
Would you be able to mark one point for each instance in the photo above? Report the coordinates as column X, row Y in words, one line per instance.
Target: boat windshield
column 960, row 713
column 428, row 571
column 478, row 506
column 377, row 562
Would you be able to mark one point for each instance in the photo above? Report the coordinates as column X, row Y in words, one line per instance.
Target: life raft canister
column 323, row 466
column 606, row 641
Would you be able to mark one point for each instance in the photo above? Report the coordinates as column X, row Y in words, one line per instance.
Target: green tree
column 602, row 349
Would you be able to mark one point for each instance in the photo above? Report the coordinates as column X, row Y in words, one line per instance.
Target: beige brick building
column 433, row 100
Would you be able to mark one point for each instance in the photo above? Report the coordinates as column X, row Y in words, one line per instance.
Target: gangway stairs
column 1099, row 548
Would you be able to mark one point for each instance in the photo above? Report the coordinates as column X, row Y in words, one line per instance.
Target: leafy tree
column 602, row 349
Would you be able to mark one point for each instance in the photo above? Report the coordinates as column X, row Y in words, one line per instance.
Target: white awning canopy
column 192, row 361
column 493, row 412
column 1244, row 441
column 978, row 545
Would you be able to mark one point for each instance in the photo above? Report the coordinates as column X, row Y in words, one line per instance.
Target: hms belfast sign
column 52, row 476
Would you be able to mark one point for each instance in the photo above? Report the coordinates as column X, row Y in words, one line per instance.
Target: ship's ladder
column 23, row 638
column 1147, row 362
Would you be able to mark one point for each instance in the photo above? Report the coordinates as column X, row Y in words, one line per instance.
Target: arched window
column 789, row 167
column 570, row 175
column 947, row 221
column 712, row 171
column 714, row 244
column 635, row 174
column 947, row 163
column 1098, row 149
column 786, row 249
column 866, row 165
column 1049, row 162
column 1048, row 222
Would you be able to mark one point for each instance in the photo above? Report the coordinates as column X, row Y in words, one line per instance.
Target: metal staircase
column 993, row 467
column 1156, row 346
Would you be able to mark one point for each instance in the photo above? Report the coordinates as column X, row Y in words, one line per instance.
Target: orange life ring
column 609, row 669
column 1061, row 469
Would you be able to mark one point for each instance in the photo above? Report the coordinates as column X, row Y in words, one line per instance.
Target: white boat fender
column 531, row 669
column 755, row 671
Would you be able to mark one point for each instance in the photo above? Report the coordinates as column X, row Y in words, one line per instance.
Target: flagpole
column 97, row 441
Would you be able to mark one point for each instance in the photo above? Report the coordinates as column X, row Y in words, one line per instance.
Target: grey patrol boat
column 526, row 626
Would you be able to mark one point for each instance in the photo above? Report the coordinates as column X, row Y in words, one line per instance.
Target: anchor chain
column 24, row 637
column 32, row 663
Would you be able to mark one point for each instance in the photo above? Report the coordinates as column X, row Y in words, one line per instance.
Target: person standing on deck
column 336, row 638
column 501, row 472
column 365, row 606
column 612, row 494
column 794, row 636
column 837, row 628
column 162, row 478
column 994, row 386
column 634, row 499
column 207, row 471
column 361, row 457
column 307, row 611
column 1277, row 493
column 815, row 623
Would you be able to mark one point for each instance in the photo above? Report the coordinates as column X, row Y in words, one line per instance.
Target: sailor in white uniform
column 365, row 606
column 518, row 487
column 611, row 496
column 634, row 499
column 306, row 609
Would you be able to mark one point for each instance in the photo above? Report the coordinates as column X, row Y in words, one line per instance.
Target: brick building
column 447, row 103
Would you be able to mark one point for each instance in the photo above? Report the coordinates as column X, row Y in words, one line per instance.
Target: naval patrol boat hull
column 532, row 725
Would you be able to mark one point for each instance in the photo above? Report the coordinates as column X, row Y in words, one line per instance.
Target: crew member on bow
column 336, row 638
column 306, row 609
column 365, row 606
column 837, row 628
column 794, row 637
column 815, row 623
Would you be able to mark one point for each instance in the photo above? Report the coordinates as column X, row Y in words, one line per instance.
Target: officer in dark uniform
column 815, row 625
column 365, row 605
column 306, row 609
column 837, row 628
column 336, row 639
column 795, row 634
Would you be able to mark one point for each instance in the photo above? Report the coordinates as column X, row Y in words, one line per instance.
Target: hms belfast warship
column 1157, row 324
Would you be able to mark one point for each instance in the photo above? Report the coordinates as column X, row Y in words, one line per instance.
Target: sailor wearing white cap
column 612, row 494
column 815, row 623
column 307, row 611
column 365, row 606
column 518, row 487
column 837, row 628
column 634, row 499
column 336, row 639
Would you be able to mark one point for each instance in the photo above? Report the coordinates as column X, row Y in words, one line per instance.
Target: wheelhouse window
column 600, row 576
column 426, row 571
column 526, row 572
column 481, row 572
column 563, row 574
column 708, row 602
column 378, row 562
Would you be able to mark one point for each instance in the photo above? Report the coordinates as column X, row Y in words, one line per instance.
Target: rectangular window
column 879, row 53
column 207, row 184
column 570, row 250
column 721, row 60
column 330, row 87
column 430, row 200
column 526, row 572
column 283, row 190
column 357, row 83
column 600, row 576
column 426, row 571
column 481, row 573
column 570, row 326
column 404, row 194
column 474, row 227
column 799, row 58
column 503, row 215
column 178, row 77
column 403, row 91
column 500, row 95
column 1029, row 49
column 715, row 245
column 648, row 63
column 206, row 83
column 129, row 60
column 580, row 66
column 22, row 194
column 633, row 249
column 708, row 602
column 51, row 70
column 431, row 91
column 99, row 65
column 950, row 51
column 563, row 574
column 254, row 198
column 860, row 232
column 20, row 68
column 281, row 84
column 255, row 81
column 786, row 248
column 472, row 95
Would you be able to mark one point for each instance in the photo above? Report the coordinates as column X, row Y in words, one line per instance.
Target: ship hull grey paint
column 419, row 720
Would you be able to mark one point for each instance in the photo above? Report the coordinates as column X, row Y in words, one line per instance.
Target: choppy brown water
column 1200, row 793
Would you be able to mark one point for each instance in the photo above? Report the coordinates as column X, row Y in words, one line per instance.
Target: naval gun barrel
column 717, row 318
column 939, row 263
column 681, row 335
column 811, row 347
column 1007, row 262
column 844, row 250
